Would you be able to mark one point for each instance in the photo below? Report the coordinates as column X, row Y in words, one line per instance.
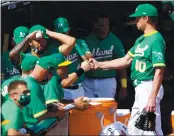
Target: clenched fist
column 85, row 66
column 93, row 64
column 81, row 103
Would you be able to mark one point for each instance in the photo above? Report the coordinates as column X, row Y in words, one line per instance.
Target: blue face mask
column 24, row 99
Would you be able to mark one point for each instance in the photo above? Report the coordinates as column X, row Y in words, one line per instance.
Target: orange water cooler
column 92, row 120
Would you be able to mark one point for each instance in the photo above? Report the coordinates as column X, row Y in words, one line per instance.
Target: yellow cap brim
column 65, row 63
column 5, row 122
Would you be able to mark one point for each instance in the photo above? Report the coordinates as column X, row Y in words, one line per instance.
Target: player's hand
column 48, row 32
column 80, row 103
column 93, row 64
column 85, row 66
column 123, row 93
column 151, row 104
column 35, row 35
column 61, row 111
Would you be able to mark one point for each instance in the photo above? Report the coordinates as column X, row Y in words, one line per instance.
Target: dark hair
column 154, row 19
column 100, row 16
column 14, row 85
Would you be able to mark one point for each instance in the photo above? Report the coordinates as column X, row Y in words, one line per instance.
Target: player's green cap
column 39, row 28
column 53, row 61
column 20, row 33
column 28, row 63
column 61, row 25
column 145, row 10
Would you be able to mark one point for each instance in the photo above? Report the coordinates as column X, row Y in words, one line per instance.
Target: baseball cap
column 20, row 33
column 61, row 25
column 39, row 28
column 28, row 63
column 145, row 10
column 53, row 61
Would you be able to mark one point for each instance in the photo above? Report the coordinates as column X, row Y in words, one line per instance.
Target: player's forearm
column 69, row 80
column 157, row 81
column 15, row 52
column 113, row 64
column 65, row 39
column 116, row 63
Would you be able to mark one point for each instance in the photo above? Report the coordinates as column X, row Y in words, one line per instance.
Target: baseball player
column 8, row 70
column 12, row 108
column 27, row 66
column 76, row 56
column 147, row 57
column 104, row 46
column 40, row 46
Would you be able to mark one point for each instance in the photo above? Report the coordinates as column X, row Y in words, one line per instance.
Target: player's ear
column 30, row 42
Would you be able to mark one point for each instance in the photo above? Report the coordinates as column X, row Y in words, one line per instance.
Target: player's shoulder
column 158, row 36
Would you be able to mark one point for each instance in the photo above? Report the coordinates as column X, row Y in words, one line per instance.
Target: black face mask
column 24, row 99
column 37, row 51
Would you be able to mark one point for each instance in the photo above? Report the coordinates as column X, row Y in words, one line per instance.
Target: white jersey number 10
column 140, row 66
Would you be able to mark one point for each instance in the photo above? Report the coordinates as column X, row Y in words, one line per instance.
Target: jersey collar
column 151, row 33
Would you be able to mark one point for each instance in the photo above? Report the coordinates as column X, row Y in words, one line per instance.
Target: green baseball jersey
column 8, row 70
column 37, row 103
column 53, row 91
column 147, row 53
column 4, row 88
column 103, row 50
column 11, row 112
column 75, row 55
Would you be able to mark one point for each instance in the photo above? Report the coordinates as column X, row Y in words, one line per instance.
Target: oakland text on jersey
column 98, row 53
column 73, row 57
column 140, row 51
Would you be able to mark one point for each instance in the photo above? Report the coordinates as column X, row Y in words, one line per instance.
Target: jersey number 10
column 140, row 66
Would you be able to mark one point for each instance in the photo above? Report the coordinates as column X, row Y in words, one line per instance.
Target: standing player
column 76, row 56
column 104, row 46
column 148, row 61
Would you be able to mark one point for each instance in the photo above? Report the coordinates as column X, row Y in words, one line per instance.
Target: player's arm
column 68, row 42
column 157, row 81
column 113, row 64
column 83, row 50
column 75, row 75
column 14, row 132
column 158, row 61
column 15, row 52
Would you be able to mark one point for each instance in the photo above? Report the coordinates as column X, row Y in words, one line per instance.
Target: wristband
column 124, row 82
column 79, row 72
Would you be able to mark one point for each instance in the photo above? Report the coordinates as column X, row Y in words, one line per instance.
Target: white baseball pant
column 105, row 88
column 142, row 93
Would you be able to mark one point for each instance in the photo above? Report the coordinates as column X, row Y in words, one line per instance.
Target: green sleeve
column 131, row 51
column 14, row 119
column 37, row 103
column 119, row 49
column 79, row 50
column 28, row 116
column 82, row 45
column 158, row 53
